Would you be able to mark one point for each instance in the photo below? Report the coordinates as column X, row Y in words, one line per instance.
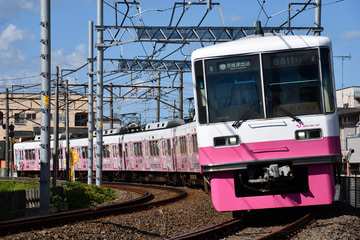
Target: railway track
column 238, row 229
column 146, row 200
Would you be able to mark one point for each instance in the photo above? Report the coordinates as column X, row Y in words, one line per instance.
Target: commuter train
column 164, row 152
column 266, row 131
column 267, row 122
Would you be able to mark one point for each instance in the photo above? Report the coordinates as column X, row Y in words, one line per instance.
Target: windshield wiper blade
column 293, row 116
column 245, row 115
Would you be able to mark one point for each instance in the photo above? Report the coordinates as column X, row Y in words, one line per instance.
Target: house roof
column 348, row 111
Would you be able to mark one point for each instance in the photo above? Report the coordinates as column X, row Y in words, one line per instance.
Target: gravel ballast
column 336, row 221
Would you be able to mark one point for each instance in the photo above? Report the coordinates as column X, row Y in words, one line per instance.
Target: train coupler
column 271, row 173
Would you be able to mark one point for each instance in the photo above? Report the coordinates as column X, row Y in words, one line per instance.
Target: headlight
column 308, row 134
column 226, row 141
column 300, row 135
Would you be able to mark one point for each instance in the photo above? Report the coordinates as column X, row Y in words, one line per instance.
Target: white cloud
column 28, row 5
column 10, row 35
column 71, row 61
column 350, row 35
column 12, row 56
column 233, row 18
column 9, row 9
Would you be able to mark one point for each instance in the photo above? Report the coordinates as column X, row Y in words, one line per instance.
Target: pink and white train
column 267, row 122
column 162, row 152
column 266, row 133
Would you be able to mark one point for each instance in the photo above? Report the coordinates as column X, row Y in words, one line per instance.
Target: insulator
column 44, row 24
column 44, row 56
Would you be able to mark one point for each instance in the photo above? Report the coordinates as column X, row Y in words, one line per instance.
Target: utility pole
column 158, row 100
column 45, row 107
column 7, row 134
column 317, row 21
column 99, row 95
column 181, row 100
column 56, row 129
column 174, row 109
column 67, row 174
column 111, row 107
column 91, row 103
column 11, row 160
column 342, row 74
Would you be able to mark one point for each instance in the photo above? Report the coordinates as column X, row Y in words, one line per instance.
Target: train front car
column 267, row 123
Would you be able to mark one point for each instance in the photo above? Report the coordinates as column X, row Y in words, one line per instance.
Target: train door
column 29, row 160
column 174, row 154
column 147, row 156
column 194, row 153
column 131, row 156
column 166, row 154
column 137, row 154
column 183, row 160
column 84, row 157
column 122, row 164
column 19, row 158
column 115, row 157
column 126, row 157
column 106, row 157
column 155, row 155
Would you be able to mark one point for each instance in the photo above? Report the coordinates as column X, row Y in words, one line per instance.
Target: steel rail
column 289, row 229
column 92, row 212
column 228, row 228
column 213, row 231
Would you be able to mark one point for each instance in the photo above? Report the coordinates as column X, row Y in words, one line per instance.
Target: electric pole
column 56, row 130
column 91, row 103
column 67, row 153
column 99, row 95
column 342, row 74
column 158, row 100
column 7, row 135
column 181, row 93
column 45, row 107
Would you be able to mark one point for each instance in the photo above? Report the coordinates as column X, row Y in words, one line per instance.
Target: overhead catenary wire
column 157, row 51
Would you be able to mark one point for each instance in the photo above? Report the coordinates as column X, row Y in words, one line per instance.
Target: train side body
column 276, row 145
column 171, row 149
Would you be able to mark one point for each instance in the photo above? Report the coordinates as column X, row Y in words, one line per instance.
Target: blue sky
column 20, row 38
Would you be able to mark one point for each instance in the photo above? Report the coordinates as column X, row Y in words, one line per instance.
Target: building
column 25, row 114
column 348, row 97
column 348, row 103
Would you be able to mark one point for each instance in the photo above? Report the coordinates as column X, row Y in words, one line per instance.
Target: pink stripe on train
column 270, row 150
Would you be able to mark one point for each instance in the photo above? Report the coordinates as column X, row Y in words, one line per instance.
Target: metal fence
column 12, row 202
column 21, row 199
column 350, row 191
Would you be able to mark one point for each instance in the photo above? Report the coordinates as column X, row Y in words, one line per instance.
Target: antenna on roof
column 258, row 32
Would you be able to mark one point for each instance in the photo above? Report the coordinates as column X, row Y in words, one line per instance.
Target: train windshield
column 267, row 85
column 234, row 89
column 292, row 83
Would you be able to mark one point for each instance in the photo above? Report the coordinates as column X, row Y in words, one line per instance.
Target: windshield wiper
column 245, row 115
column 293, row 116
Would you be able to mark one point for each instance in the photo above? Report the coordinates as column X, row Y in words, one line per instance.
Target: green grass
column 81, row 195
column 77, row 194
column 16, row 186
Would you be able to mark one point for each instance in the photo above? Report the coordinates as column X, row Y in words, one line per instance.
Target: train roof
column 253, row 44
column 131, row 128
column 165, row 124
